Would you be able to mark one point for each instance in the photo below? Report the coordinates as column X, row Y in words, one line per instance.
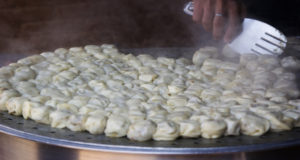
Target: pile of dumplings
column 103, row 91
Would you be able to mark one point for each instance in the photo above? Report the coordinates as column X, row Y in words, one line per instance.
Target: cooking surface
column 31, row 130
column 37, row 25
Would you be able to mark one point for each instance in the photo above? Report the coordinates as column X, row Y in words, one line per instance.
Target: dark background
column 32, row 26
column 282, row 14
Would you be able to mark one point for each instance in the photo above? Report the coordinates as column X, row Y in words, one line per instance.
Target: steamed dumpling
column 141, row 130
column 253, row 125
column 166, row 131
column 213, row 128
column 117, row 126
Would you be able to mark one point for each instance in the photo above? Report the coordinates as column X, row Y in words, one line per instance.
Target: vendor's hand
column 221, row 17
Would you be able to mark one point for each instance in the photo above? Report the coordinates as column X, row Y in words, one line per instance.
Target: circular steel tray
column 31, row 130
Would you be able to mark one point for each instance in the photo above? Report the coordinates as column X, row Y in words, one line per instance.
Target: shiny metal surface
column 14, row 148
column 31, row 130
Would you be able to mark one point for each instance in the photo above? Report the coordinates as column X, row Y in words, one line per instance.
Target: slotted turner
column 257, row 37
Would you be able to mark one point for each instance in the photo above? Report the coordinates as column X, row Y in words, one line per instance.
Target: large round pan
column 31, row 130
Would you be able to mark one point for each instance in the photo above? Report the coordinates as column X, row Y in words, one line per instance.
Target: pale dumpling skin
column 40, row 114
column 117, row 126
column 204, row 53
column 294, row 115
column 213, row 128
column 290, row 62
column 76, row 122
column 166, row 131
column 178, row 116
column 190, row 129
column 275, row 119
column 59, row 119
column 27, row 106
column 233, row 126
column 6, row 95
column 141, row 130
column 295, row 102
column 24, row 73
column 14, row 105
column 95, row 124
column 136, row 115
column 177, row 101
column 277, row 123
column 254, row 126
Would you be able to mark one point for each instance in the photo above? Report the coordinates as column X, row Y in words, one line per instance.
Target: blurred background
column 32, row 26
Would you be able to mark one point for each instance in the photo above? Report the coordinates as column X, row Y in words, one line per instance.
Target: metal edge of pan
column 30, row 130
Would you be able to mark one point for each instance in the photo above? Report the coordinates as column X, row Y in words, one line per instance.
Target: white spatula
column 257, row 37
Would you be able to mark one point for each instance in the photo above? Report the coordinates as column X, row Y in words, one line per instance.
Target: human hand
column 221, row 17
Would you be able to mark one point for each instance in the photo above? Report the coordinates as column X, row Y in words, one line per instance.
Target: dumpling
column 67, row 107
column 95, row 124
column 200, row 117
column 60, row 52
column 269, row 61
column 24, row 73
column 210, row 95
column 136, row 115
column 209, row 70
column 76, row 122
column 40, row 113
column 189, row 128
column 233, row 126
column 166, row 61
column 54, row 94
column 4, row 85
column 64, row 76
column 290, row 63
column 277, row 122
column 117, row 126
column 253, row 125
column 141, row 130
column 27, row 106
column 177, row 86
column 40, row 99
column 213, row 128
column 5, row 95
column 295, row 102
column 27, row 89
column 229, row 66
column 177, row 101
column 79, row 101
column 31, row 60
column 59, row 119
column 204, row 53
column 294, row 115
column 178, row 116
column 166, row 131
column 6, row 72
column 245, row 58
column 15, row 105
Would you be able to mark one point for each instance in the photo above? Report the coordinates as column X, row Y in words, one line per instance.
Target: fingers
column 208, row 15
column 226, row 26
column 198, row 9
column 234, row 21
column 218, row 22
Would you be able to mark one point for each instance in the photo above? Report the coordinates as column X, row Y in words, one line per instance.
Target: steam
column 33, row 27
